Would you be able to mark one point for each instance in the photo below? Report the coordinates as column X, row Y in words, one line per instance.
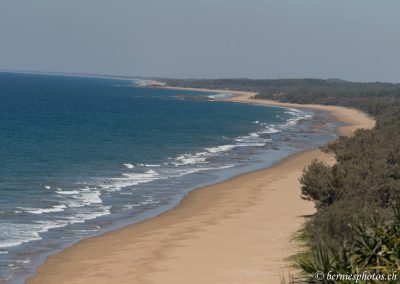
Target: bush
column 318, row 184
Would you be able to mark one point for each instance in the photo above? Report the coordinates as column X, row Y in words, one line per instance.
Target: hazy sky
column 348, row 39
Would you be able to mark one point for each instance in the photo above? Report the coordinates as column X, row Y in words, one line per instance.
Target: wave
column 14, row 234
column 202, row 156
column 83, row 197
column 56, row 208
column 67, row 192
column 128, row 179
column 222, row 148
column 252, row 140
column 189, row 159
column 297, row 114
column 129, row 166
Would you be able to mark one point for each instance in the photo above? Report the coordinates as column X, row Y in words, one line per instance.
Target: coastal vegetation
column 374, row 98
column 356, row 227
column 357, row 224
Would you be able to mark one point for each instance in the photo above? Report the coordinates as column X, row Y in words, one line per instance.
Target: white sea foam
column 90, row 214
column 67, row 192
column 201, row 157
column 130, row 179
column 17, row 234
column 84, row 197
column 188, row 159
column 14, row 234
column 298, row 115
column 252, row 140
column 24, row 261
column 222, row 148
column 149, row 200
column 251, row 144
column 56, row 208
column 270, row 129
column 188, row 171
column 127, row 193
column 90, row 197
column 129, row 166
column 129, row 206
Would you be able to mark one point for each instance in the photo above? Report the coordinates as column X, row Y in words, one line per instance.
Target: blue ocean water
column 81, row 156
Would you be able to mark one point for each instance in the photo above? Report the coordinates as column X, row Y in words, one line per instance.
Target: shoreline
column 236, row 231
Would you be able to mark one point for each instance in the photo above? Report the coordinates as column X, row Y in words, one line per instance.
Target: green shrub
column 318, row 183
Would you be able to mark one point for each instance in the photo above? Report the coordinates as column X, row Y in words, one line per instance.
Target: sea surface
column 81, row 156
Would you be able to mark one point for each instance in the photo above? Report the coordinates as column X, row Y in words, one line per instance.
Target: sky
column 356, row 40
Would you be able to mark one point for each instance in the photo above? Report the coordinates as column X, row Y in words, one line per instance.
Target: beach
column 237, row 231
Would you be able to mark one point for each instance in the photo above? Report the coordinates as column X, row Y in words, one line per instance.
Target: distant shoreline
column 237, row 231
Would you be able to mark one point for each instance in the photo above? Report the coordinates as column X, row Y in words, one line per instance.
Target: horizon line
column 130, row 77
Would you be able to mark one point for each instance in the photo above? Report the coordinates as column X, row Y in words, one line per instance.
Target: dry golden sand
column 237, row 231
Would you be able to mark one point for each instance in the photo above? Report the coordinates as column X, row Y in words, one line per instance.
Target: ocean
column 80, row 156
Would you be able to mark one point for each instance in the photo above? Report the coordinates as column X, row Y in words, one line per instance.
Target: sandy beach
column 237, row 231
